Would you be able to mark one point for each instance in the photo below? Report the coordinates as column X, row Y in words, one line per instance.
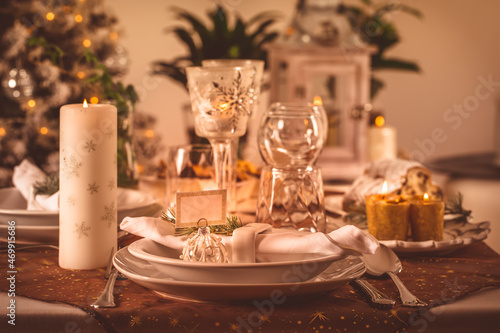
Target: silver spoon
column 385, row 261
column 377, row 298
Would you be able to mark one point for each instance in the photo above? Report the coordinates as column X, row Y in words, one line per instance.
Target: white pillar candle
column 381, row 143
column 88, row 182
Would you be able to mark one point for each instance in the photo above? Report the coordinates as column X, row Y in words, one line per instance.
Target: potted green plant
column 218, row 40
column 371, row 22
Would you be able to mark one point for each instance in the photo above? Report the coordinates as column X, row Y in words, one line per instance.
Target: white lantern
column 320, row 55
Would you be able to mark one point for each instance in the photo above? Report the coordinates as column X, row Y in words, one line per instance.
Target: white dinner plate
column 13, row 207
column 31, row 235
column 275, row 269
column 143, row 273
column 457, row 234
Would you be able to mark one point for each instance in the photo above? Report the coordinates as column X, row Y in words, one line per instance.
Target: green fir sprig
column 232, row 222
column 49, row 185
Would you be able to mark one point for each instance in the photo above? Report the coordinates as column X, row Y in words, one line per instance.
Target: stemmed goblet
column 258, row 66
column 221, row 103
column 292, row 134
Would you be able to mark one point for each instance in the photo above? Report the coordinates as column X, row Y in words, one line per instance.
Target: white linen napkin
column 25, row 175
column 267, row 240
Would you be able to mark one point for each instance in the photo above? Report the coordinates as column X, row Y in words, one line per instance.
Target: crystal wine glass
column 291, row 134
column 258, row 66
column 221, row 101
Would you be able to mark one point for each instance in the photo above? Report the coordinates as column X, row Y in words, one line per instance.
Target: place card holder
column 202, row 209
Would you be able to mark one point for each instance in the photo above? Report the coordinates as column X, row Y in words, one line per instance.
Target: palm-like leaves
column 378, row 31
column 244, row 40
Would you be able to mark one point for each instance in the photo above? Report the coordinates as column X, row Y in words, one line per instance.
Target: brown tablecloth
column 435, row 280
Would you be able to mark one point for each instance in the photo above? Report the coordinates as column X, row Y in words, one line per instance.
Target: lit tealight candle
column 88, row 178
column 370, row 203
column 427, row 219
column 381, row 141
column 387, row 216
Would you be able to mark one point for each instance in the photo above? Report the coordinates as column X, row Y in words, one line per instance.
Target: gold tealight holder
column 427, row 219
column 387, row 217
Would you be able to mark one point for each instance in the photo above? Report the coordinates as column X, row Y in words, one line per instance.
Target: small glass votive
column 292, row 197
column 189, row 168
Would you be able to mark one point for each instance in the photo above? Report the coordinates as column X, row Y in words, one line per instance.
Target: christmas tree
column 56, row 52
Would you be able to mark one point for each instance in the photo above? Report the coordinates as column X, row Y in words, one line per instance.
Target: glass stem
column 222, row 163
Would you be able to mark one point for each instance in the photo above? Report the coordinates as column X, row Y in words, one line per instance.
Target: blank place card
column 193, row 206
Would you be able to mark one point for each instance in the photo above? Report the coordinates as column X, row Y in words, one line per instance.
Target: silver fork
column 106, row 298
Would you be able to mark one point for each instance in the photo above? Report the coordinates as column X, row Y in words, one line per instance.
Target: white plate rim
column 149, row 200
column 135, row 250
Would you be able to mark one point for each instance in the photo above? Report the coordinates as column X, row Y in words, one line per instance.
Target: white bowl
column 298, row 268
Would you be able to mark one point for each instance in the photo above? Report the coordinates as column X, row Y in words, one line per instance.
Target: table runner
column 436, row 280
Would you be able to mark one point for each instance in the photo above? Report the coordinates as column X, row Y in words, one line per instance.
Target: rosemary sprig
column 232, row 222
column 357, row 219
column 49, row 185
column 455, row 206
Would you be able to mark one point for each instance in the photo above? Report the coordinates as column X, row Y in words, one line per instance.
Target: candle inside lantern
column 427, row 219
column 88, row 183
column 381, row 141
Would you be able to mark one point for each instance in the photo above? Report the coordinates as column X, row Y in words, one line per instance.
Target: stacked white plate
column 42, row 227
column 158, row 267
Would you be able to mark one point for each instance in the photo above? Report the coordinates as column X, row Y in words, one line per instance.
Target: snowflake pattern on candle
column 93, row 188
column 109, row 214
column 108, row 132
column 81, row 229
column 70, row 200
column 71, row 166
column 90, row 146
column 111, row 184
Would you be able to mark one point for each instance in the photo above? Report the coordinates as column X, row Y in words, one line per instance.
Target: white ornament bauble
column 17, row 84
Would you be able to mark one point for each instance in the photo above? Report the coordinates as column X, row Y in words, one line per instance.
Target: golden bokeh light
column 87, row 43
column 149, row 133
column 379, row 121
column 113, row 35
column 50, row 16
column 44, row 130
column 317, row 100
column 3, row 132
column 94, row 100
column 80, row 75
column 31, row 103
column 78, row 18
